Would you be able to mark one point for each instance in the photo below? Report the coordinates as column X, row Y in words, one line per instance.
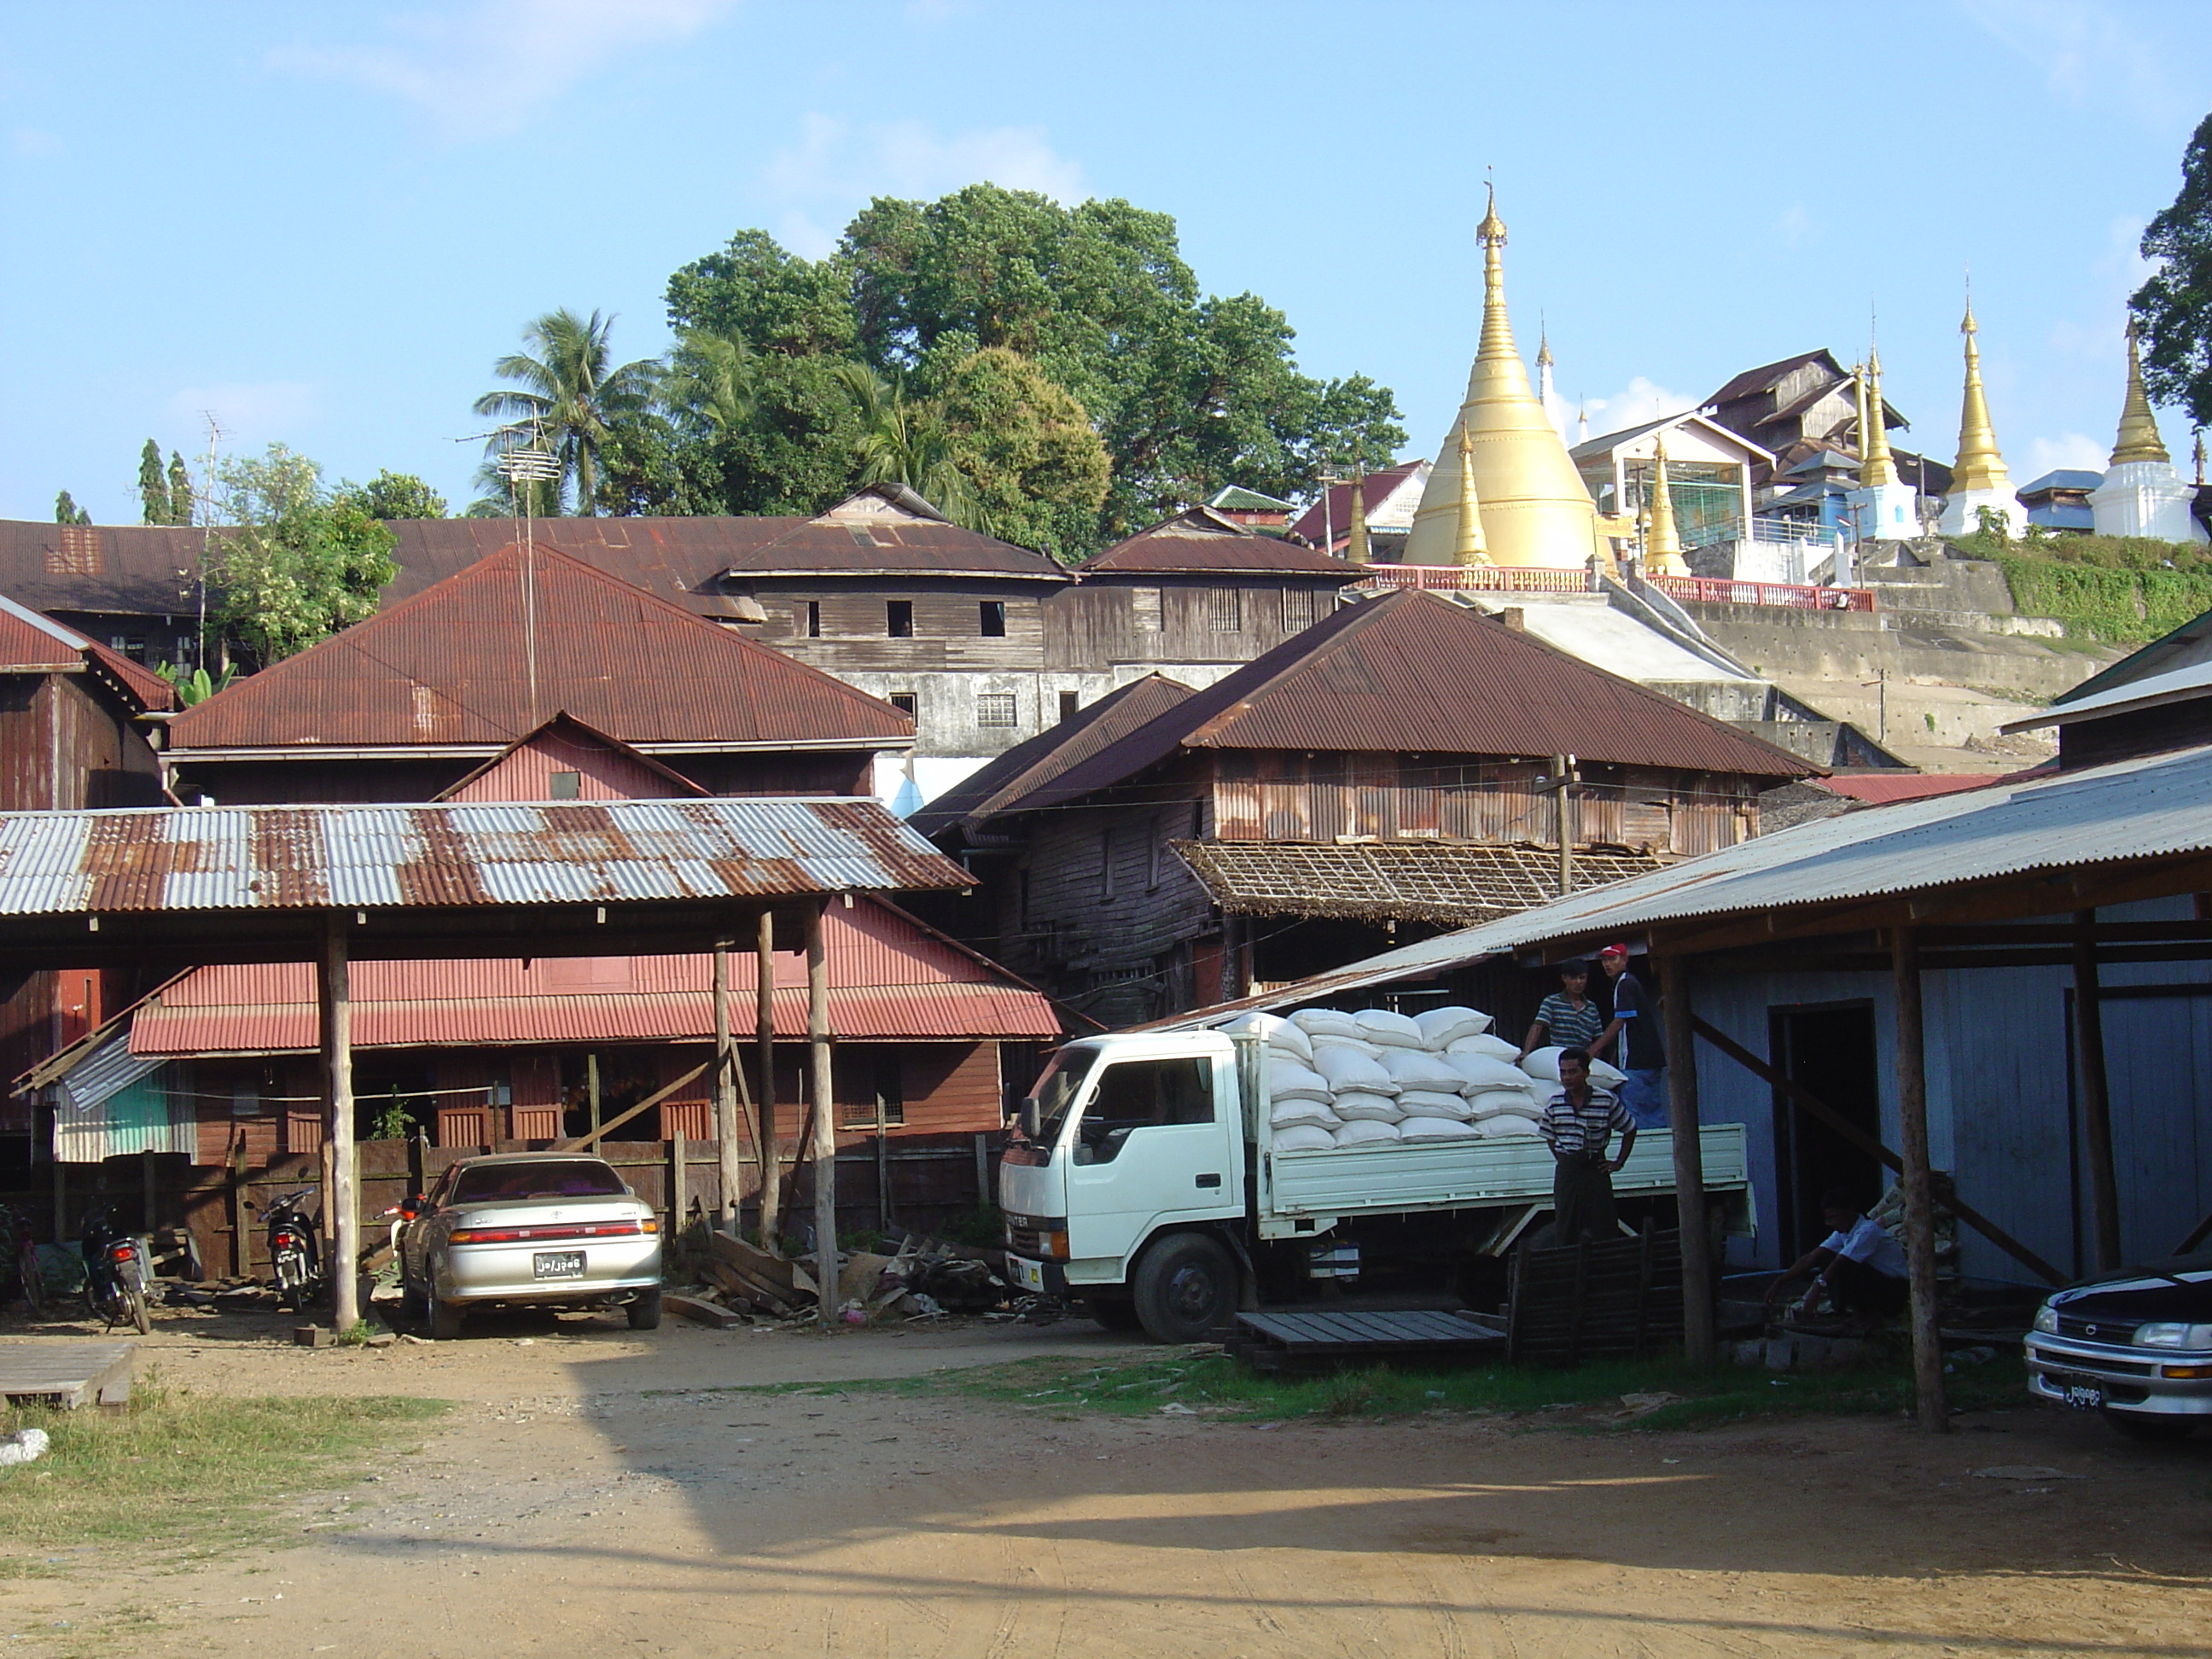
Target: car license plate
column 2085, row 1397
column 557, row 1264
column 1031, row 1273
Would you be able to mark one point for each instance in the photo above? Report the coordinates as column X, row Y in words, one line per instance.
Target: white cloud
column 2069, row 449
column 482, row 71
column 2090, row 52
column 1797, row 226
column 836, row 167
column 1640, row 401
column 33, row 140
column 252, row 414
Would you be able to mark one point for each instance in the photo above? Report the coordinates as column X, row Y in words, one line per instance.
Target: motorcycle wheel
column 139, row 1317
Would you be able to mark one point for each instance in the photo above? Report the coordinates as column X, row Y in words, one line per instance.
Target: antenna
column 524, row 466
column 216, row 434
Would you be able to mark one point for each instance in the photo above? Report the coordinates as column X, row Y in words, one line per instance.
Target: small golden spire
column 1662, row 546
column 2138, row 439
column 1979, row 466
column 1467, row 547
column 1875, row 468
column 1356, row 549
column 2199, row 457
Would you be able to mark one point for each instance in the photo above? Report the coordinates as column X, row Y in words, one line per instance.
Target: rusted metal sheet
column 490, row 854
column 1201, row 541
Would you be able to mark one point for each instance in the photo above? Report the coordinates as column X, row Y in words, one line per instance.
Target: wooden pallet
column 1324, row 1341
column 1616, row 1300
column 33, row 1371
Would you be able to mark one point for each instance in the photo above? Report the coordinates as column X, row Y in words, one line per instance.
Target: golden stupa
column 1875, row 468
column 1979, row 466
column 1534, row 509
column 2138, row 439
column 1662, row 545
column 1468, row 549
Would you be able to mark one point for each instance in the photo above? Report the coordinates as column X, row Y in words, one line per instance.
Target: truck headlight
column 2046, row 1320
column 2164, row 1335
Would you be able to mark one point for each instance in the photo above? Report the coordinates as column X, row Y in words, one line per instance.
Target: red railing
column 1704, row 589
column 1721, row 590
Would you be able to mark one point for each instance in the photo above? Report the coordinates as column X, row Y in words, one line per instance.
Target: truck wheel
column 1116, row 1313
column 1185, row 1287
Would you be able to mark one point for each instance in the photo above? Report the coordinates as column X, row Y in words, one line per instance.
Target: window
column 1142, row 1094
column 905, row 702
column 997, row 708
column 567, row 786
column 878, row 1101
column 1225, row 606
column 898, row 618
column 991, row 624
column 814, row 619
column 1106, row 865
column 1297, row 610
column 1070, row 702
column 500, row 1092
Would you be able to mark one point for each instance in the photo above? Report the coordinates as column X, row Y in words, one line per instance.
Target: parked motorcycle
column 294, row 1258
column 116, row 1271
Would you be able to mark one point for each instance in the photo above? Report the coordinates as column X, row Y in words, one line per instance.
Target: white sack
column 1497, row 1048
column 1422, row 1103
column 1345, row 1068
column 1351, row 1106
column 1278, row 1033
column 1358, row 1045
column 1393, row 1030
column 1543, row 1064
column 1441, row 1027
column 1490, row 1103
column 1417, row 1068
column 1365, row 1132
column 1314, row 1021
column 1506, row 1127
column 1305, row 1138
column 1436, row 1128
column 1288, row 1080
column 1294, row 1113
column 24, row 1446
column 1479, row 1071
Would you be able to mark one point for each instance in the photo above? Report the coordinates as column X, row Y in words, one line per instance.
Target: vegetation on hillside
column 2119, row 590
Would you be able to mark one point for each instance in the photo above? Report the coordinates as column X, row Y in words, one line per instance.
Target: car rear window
column 582, row 1177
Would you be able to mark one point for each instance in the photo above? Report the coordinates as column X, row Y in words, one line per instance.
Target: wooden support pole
column 1562, row 765
column 592, row 1092
column 1932, row 1410
column 61, row 1204
column 1689, row 1161
column 2096, row 1095
column 241, row 1257
column 334, row 993
column 679, row 1200
column 725, row 1093
column 826, row 1115
column 771, row 1155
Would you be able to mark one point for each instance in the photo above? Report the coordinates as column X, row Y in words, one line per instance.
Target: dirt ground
column 597, row 1492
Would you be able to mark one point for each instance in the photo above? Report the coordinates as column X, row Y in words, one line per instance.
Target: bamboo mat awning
column 1455, row 882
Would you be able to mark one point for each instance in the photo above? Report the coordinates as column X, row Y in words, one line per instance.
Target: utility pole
column 1563, row 777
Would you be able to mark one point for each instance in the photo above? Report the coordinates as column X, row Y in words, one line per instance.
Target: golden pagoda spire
column 1979, row 464
column 2138, row 439
column 1662, row 546
column 1875, row 468
column 2198, row 457
column 1356, row 547
column 1468, row 547
column 1535, row 509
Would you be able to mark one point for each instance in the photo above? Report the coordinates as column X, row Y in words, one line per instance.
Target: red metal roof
column 452, row 665
column 1880, row 789
column 32, row 643
column 1332, row 515
column 1201, row 541
column 1412, row 673
column 890, row 978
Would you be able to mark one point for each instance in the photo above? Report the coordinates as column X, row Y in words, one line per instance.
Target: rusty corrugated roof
column 1412, row 673
column 1199, row 541
column 452, row 666
column 489, row 853
column 126, row 569
column 32, row 643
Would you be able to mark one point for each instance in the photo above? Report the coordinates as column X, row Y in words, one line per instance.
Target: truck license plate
column 2085, row 1397
column 1031, row 1273
column 557, row 1264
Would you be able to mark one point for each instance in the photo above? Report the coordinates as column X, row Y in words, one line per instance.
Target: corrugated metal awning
column 106, row 1072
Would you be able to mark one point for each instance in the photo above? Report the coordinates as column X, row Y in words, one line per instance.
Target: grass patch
column 180, row 1471
column 1219, row 1386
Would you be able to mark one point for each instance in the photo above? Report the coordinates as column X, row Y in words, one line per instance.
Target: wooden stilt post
column 1931, row 1409
column 148, row 1219
column 1689, row 1161
column 2096, row 1095
column 826, row 1115
column 771, row 1156
column 61, row 1204
column 679, row 1199
column 729, row 1166
column 592, row 1088
column 335, row 995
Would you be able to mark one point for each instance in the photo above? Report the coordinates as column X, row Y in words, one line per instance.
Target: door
column 2157, row 1067
column 1829, row 1051
column 1151, row 1144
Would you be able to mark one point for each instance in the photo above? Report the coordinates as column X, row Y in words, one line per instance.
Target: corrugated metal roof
column 145, row 570
column 1201, row 541
column 1412, row 673
column 452, row 666
column 107, row 1070
column 2154, row 807
column 2188, row 684
column 32, row 643
column 268, row 857
column 1331, row 515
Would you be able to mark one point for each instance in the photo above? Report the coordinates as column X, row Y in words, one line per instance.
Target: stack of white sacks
column 1372, row 1077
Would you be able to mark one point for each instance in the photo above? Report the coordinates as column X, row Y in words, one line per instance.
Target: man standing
column 1567, row 1017
column 1578, row 1123
column 1642, row 1055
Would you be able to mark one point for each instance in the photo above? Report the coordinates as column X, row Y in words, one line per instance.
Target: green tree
column 1036, row 472
column 905, row 442
column 569, row 399
column 2174, row 308
column 395, row 495
column 181, row 490
column 756, row 291
column 66, row 511
column 153, row 488
column 300, row 564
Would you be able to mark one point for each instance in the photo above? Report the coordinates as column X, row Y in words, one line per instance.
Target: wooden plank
column 701, row 1313
column 66, row 1374
column 643, row 1106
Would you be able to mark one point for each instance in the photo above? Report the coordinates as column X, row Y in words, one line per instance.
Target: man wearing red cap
column 1642, row 1055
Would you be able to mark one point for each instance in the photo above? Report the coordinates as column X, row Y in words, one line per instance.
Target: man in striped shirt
column 1579, row 1124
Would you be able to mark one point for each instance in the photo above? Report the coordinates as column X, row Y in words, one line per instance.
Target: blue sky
column 324, row 223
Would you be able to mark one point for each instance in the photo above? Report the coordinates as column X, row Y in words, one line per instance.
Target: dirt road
column 605, row 1493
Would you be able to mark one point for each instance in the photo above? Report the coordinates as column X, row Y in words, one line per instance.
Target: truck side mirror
column 1031, row 1124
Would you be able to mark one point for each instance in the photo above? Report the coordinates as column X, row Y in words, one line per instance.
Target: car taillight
column 551, row 1230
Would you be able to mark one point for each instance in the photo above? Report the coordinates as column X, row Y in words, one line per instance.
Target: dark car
column 2135, row 1344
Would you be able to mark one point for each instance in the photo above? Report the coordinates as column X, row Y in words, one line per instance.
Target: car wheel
column 645, row 1311
column 414, row 1306
column 444, row 1320
column 1116, row 1313
column 1185, row 1286
column 2142, row 1426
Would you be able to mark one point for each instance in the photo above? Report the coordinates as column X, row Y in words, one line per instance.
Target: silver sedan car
column 529, row 1229
column 2134, row 1345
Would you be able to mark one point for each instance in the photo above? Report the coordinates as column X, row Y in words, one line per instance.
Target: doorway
column 1829, row 1049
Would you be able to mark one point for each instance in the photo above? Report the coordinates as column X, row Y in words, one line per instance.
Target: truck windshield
column 1056, row 1090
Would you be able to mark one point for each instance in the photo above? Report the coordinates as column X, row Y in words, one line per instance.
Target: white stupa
column 2142, row 494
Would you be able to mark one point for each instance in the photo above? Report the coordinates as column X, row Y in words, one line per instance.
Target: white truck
column 1143, row 1183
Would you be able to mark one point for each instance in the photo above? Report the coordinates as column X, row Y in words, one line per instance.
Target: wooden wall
column 1167, row 619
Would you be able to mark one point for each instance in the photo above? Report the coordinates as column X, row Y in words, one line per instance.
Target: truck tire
column 1116, row 1313
column 1185, row 1288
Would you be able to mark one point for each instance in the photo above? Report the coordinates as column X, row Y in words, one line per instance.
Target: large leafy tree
column 2175, row 306
column 1033, row 468
column 301, row 563
column 570, row 399
column 394, row 496
column 153, row 488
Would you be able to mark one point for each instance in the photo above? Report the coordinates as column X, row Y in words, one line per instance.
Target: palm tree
column 711, row 381
column 566, row 399
column 904, row 442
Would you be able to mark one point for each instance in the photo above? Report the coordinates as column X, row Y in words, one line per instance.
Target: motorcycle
column 116, row 1271
column 294, row 1258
